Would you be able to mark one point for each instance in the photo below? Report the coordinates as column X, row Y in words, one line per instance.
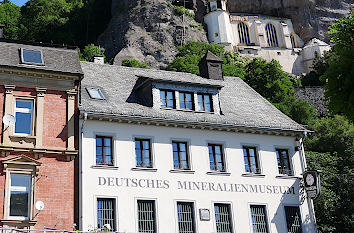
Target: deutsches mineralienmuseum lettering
column 196, row 185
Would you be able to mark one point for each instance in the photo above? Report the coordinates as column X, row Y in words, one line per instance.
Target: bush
column 90, row 51
column 134, row 63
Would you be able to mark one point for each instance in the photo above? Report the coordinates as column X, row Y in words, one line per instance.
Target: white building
column 262, row 36
column 175, row 152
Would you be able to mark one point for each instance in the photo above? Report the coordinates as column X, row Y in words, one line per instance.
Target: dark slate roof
column 241, row 106
column 209, row 56
column 56, row 58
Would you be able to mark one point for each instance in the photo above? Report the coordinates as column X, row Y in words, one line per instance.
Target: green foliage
column 10, row 15
column 269, row 80
column 334, row 137
column 181, row 10
column 319, row 66
column 134, row 63
column 339, row 88
column 90, row 51
column 298, row 110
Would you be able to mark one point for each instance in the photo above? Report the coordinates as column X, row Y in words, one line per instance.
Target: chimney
column 210, row 67
column 2, row 30
column 99, row 59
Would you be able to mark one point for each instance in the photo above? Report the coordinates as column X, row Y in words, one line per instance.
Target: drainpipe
column 80, row 170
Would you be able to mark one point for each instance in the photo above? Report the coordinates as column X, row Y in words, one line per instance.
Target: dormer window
column 205, row 102
column 167, row 99
column 186, row 100
column 95, row 93
column 30, row 56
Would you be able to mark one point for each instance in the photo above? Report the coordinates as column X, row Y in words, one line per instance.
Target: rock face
column 149, row 31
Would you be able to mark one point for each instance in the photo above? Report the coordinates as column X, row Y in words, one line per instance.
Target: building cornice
column 141, row 120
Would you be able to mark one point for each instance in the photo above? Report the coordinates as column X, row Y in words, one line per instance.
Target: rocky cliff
column 151, row 30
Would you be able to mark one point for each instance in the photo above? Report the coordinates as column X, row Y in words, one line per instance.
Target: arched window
column 272, row 37
column 244, row 33
column 293, row 41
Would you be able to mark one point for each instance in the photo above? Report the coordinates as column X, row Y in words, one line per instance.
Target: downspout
column 80, row 170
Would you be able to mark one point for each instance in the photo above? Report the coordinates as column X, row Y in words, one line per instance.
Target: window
column 218, row 2
column 243, row 33
column 29, row 56
column 293, row 41
column 223, row 218
column 186, row 100
column 95, row 93
column 167, row 99
column 106, row 213
column 283, row 162
column 146, row 216
column 293, row 219
column 24, row 117
column 185, row 212
column 259, row 219
column 20, row 196
column 180, row 156
column 205, row 102
column 143, row 153
column 272, row 37
column 216, row 157
column 104, row 150
column 250, row 156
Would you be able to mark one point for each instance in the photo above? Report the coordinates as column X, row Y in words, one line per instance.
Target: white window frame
column 31, row 63
column 24, row 110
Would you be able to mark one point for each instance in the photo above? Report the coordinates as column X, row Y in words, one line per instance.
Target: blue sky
column 19, row 2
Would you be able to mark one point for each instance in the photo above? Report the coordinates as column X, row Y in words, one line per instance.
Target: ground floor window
column 185, row 212
column 293, row 219
column 106, row 213
column 223, row 218
column 146, row 216
column 259, row 219
column 20, row 196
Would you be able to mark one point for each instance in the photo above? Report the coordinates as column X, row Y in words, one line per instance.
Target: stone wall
column 315, row 96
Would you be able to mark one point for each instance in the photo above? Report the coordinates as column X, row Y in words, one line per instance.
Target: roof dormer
column 214, row 5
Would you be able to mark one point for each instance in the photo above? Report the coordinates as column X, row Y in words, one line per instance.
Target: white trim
column 24, row 110
column 115, row 210
column 136, row 199
column 195, row 213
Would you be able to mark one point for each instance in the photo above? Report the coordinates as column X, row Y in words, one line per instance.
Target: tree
column 134, row 63
column 319, row 67
column 269, row 80
column 339, row 88
column 334, row 143
column 10, row 15
column 90, row 51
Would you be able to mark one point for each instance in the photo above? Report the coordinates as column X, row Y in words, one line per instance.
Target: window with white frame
column 205, row 102
column 146, row 216
column 223, row 218
column 293, row 219
column 243, row 33
column 24, row 117
column 185, row 212
column 272, row 37
column 20, row 196
column 259, row 219
column 106, row 214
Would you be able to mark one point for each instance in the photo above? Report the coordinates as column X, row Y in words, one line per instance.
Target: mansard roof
column 241, row 106
column 62, row 59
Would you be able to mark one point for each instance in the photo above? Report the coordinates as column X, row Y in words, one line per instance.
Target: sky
column 19, row 2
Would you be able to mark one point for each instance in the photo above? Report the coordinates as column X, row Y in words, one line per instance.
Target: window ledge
column 253, row 175
column 218, row 173
column 108, row 167
column 182, row 171
column 22, row 136
column 12, row 222
column 147, row 169
column 287, row 177
column 187, row 110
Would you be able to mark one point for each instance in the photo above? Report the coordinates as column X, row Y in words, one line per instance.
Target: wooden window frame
column 166, row 99
column 213, row 145
column 141, row 140
column 247, row 148
column 184, row 100
column 179, row 155
column 103, row 151
column 281, row 167
column 203, row 101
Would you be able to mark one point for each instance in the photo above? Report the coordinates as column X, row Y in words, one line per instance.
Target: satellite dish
column 39, row 205
column 8, row 120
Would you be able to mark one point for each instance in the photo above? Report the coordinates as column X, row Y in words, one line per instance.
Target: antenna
column 8, row 120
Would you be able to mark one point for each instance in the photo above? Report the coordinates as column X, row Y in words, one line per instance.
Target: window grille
column 216, row 157
column 180, row 156
column 104, row 150
column 146, row 216
column 293, row 42
column 223, row 218
column 167, row 99
column 143, row 153
column 251, row 159
column 259, row 219
column 244, row 34
column 205, row 102
column 185, row 211
column 186, row 100
column 24, row 117
column 293, row 219
column 284, row 162
column 106, row 213
column 272, row 37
